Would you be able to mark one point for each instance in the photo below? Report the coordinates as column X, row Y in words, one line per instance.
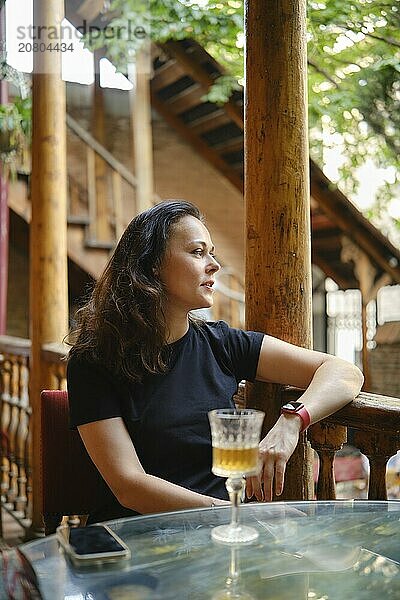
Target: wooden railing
column 98, row 186
column 15, row 414
column 15, row 419
column 376, row 422
column 375, row 418
column 229, row 299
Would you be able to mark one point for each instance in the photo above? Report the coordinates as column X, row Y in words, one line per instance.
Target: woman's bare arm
column 329, row 382
column 112, row 451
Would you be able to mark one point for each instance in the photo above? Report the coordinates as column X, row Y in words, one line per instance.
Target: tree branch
column 346, row 62
column 379, row 130
column 322, row 72
column 390, row 41
column 387, row 40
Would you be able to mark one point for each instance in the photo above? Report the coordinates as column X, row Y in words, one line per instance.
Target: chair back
column 71, row 483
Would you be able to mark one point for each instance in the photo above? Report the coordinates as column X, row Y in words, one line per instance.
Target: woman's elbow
column 124, row 499
column 358, row 374
column 128, row 490
column 352, row 376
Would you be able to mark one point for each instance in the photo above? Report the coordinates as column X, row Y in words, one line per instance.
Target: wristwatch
column 297, row 408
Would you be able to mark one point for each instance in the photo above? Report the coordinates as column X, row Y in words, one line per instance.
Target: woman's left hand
column 275, row 450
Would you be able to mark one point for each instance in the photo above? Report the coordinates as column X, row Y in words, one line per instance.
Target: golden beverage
column 235, row 460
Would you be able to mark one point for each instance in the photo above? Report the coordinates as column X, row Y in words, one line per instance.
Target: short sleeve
column 92, row 393
column 243, row 348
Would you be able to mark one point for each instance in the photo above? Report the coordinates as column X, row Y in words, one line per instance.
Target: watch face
column 292, row 406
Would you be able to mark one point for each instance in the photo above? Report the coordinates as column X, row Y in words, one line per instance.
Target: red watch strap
column 305, row 417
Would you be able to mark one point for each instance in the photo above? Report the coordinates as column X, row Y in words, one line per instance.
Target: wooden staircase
column 101, row 203
column 97, row 182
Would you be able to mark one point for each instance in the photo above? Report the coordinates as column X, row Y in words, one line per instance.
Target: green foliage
column 353, row 55
column 15, row 130
column 354, row 88
column 354, row 91
column 218, row 26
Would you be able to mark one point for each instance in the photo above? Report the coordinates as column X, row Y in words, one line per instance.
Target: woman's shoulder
column 216, row 328
column 82, row 364
column 221, row 333
column 80, row 359
column 215, row 332
column 206, row 328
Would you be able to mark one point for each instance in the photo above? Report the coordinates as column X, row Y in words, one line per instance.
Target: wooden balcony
column 375, row 419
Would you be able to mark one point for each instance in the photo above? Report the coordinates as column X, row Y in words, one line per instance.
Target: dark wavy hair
column 122, row 326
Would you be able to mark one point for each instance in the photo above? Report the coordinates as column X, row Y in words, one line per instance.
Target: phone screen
column 94, row 539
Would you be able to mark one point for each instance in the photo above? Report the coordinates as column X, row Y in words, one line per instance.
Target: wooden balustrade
column 15, row 413
column 15, row 416
column 376, row 421
column 229, row 299
column 97, row 184
column 375, row 418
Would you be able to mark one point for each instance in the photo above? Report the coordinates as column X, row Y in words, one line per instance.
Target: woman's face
column 189, row 266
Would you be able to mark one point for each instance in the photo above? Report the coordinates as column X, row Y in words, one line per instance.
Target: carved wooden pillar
column 99, row 208
column 4, row 212
column 48, row 230
column 378, row 448
column 365, row 272
column 326, row 440
column 278, row 257
column 140, row 74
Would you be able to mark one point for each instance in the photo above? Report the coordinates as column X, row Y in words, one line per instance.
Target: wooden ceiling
column 183, row 72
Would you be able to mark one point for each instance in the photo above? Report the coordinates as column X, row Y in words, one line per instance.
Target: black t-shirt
column 166, row 415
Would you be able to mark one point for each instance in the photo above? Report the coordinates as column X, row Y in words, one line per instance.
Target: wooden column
column 100, row 228
column 140, row 74
column 366, row 274
column 278, row 257
column 48, row 231
column 4, row 213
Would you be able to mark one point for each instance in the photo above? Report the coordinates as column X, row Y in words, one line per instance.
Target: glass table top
column 334, row 550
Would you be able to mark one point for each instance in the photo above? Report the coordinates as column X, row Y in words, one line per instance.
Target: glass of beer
column 235, row 437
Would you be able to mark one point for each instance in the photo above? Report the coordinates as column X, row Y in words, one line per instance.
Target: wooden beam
column 209, row 122
column 100, row 227
column 346, row 216
column 320, row 222
column 90, row 9
column 99, row 149
column 164, row 76
column 198, row 73
column 230, row 145
column 278, row 252
column 142, row 129
column 329, row 271
column 48, row 230
column 186, row 99
column 329, row 243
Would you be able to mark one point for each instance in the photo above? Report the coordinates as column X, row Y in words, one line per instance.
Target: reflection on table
column 319, row 550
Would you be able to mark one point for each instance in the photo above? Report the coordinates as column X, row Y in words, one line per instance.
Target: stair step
column 78, row 220
column 166, row 75
column 100, row 245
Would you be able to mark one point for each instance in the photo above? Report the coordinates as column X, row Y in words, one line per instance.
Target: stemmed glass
column 235, row 437
column 233, row 589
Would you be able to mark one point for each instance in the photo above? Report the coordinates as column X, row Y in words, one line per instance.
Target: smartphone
column 91, row 544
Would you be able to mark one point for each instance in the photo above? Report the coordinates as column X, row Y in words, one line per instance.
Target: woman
column 144, row 373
